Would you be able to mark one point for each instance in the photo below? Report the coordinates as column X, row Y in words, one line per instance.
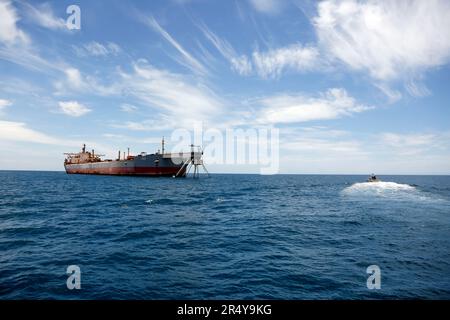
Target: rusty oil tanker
column 157, row 164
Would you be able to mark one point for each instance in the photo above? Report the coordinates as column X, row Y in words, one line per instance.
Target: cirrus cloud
column 295, row 57
column 332, row 104
column 389, row 39
column 175, row 97
column 98, row 49
column 9, row 32
column 43, row 15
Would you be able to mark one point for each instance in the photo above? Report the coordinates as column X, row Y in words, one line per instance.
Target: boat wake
column 388, row 190
column 379, row 187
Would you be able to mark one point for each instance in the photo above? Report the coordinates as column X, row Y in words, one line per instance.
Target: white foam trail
column 386, row 190
column 378, row 187
column 389, row 190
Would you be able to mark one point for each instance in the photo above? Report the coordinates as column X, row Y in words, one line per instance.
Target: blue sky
column 353, row 86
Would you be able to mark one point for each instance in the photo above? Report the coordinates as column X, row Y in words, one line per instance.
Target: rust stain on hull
column 128, row 171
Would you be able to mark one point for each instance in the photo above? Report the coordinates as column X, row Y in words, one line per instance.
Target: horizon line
column 258, row 174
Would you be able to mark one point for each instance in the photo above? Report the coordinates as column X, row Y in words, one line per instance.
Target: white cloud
column 389, row 39
column 406, row 148
column 295, row 57
column 73, row 81
column 73, row 108
column 17, row 86
column 77, row 82
column 128, row 108
column 113, row 48
column 239, row 63
column 15, row 45
column 163, row 123
column 267, row 6
column 179, row 97
column 18, row 131
column 4, row 103
column 326, row 146
column 98, row 49
column 187, row 59
column 408, row 140
column 28, row 58
column 74, row 77
column 9, row 32
column 301, row 147
column 355, row 152
column 417, row 89
column 268, row 64
column 29, row 148
column 392, row 94
column 113, row 136
column 43, row 15
column 335, row 103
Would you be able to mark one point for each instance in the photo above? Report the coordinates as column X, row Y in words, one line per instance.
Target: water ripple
column 226, row 237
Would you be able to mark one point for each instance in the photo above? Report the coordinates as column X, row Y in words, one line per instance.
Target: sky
column 353, row 87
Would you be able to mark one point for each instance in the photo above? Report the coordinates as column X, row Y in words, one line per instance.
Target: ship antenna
column 162, row 145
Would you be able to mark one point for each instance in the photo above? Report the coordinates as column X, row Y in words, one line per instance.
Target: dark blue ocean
column 223, row 237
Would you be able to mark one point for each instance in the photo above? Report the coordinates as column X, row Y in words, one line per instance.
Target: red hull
column 128, row 171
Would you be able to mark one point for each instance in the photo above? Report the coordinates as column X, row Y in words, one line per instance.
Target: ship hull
column 140, row 166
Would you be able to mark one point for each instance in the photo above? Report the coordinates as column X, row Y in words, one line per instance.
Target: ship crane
column 193, row 160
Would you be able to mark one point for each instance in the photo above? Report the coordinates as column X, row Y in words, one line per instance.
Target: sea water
column 223, row 237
